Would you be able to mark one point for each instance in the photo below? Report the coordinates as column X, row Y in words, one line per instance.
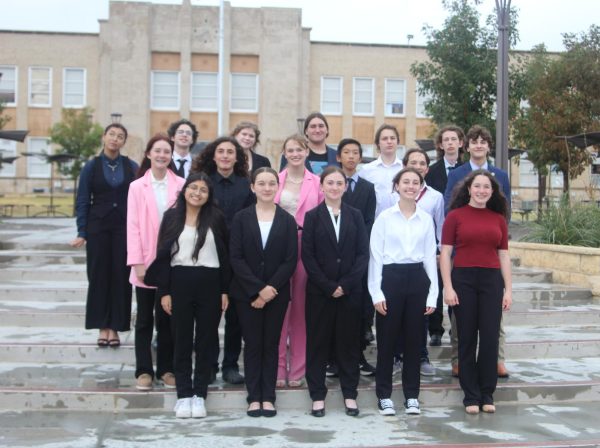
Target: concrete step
column 75, row 345
column 536, row 292
column 44, row 273
column 42, row 257
column 110, row 387
column 530, row 275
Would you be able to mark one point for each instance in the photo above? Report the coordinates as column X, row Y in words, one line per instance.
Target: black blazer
column 329, row 263
column 363, row 198
column 259, row 161
column 255, row 267
column 437, row 178
column 159, row 272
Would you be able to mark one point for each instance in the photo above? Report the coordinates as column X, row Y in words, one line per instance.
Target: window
column 331, row 95
column 164, row 90
column 363, row 96
column 8, row 148
column 40, row 82
column 74, row 87
column 527, row 174
column 38, row 166
column 395, row 94
column 244, row 92
column 8, row 85
column 422, row 100
column 204, row 91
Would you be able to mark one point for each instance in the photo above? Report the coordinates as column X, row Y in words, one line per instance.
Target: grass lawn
column 23, row 205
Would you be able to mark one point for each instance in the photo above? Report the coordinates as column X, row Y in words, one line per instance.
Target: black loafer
column 233, row 377
column 435, row 341
column 352, row 412
column 318, row 412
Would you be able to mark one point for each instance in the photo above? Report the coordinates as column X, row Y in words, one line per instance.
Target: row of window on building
column 363, row 97
column 39, row 91
column 37, row 166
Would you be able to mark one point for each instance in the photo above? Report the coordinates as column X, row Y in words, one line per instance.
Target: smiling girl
column 403, row 285
column 150, row 195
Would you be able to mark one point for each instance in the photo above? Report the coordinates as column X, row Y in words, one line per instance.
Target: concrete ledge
column 572, row 265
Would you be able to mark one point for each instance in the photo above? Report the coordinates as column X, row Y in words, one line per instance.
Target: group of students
column 296, row 260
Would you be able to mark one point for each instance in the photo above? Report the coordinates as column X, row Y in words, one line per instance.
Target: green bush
column 569, row 225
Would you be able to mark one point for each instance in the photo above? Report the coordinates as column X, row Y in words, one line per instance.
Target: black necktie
column 350, row 189
column 181, row 171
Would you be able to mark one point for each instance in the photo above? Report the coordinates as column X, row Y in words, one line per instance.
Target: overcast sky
column 367, row 21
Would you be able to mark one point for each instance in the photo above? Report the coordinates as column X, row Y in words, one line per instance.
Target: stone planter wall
column 572, row 265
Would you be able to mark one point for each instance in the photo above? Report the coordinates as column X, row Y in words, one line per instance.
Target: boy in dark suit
column 449, row 143
column 360, row 194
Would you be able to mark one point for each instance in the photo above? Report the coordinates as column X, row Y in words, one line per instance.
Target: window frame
column 231, row 99
column 16, row 85
column 204, row 109
column 30, row 159
column 8, row 169
column 363, row 114
column 30, row 102
column 153, row 106
column 323, row 110
column 385, row 98
column 64, row 88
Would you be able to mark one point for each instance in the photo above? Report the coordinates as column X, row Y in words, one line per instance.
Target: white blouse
column 160, row 188
column 398, row 240
column 265, row 228
column 207, row 256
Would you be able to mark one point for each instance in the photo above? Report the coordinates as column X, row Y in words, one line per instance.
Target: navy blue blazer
column 255, row 267
column 329, row 263
column 458, row 174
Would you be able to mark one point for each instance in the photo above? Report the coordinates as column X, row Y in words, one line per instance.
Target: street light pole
column 503, row 11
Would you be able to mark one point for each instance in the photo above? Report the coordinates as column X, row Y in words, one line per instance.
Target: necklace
column 294, row 181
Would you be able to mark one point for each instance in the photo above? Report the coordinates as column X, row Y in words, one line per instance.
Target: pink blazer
column 310, row 193
column 142, row 220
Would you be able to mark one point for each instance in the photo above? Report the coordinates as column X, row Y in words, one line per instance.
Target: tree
column 76, row 134
column 3, row 118
column 564, row 99
column 460, row 76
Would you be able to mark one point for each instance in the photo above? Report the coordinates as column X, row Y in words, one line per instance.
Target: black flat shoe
column 254, row 412
column 352, row 412
column 318, row 412
column 102, row 342
column 269, row 412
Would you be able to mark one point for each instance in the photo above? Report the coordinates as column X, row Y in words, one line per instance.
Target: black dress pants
column 109, row 291
column 405, row 287
column 196, row 300
column 261, row 329
column 149, row 310
column 437, row 317
column 338, row 321
column 480, row 292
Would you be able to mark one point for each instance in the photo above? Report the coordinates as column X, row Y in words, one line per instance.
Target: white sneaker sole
column 387, row 412
column 413, row 411
column 183, row 415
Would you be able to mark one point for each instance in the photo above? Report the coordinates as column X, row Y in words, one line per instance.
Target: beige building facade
column 154, row 63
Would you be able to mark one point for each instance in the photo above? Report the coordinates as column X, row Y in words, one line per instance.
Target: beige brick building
column 154, row 63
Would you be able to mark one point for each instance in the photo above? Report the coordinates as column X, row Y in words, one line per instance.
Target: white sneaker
column 183, row 408
column 411, row 406
column 386, row 406
column 198, row 408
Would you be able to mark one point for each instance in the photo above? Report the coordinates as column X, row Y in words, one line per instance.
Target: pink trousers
column 293, row 333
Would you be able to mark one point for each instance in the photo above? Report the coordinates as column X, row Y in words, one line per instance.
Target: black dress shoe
column 436, row 340
column 213, row 376
column 318, row 412
column 369, row 336
column 254, row 412
column 352, row 412
column 232, row 377
column 269, row 412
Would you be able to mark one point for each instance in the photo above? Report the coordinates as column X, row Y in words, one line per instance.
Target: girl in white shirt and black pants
column 403, row 285
column 192, row 274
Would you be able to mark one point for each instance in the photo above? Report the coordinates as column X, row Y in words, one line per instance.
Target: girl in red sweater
column 477, row 284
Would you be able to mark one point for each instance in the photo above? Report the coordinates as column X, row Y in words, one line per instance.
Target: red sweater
column 476, row 234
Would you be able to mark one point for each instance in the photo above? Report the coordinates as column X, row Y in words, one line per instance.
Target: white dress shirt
column 477, row 167
column 160, row 194
column 381, row 175
column 335, row 222
column 398, row 240
column 432, row 201
column 186, row 166
column 449, row 165
column 265, row 229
